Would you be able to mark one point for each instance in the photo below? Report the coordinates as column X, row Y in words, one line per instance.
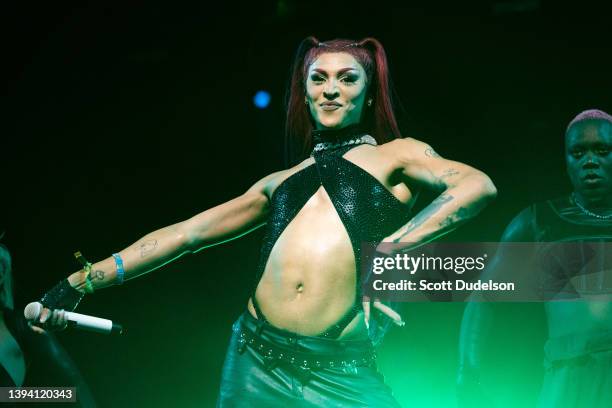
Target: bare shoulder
column 409, row 149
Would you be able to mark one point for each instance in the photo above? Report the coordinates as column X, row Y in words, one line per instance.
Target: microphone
column 80, row 321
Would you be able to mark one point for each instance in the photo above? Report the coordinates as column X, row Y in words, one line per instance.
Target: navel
column 299, row 287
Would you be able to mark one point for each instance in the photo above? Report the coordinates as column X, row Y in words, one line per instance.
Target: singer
column 304, row 336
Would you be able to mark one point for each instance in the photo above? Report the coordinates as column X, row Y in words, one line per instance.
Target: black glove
column 62, row 296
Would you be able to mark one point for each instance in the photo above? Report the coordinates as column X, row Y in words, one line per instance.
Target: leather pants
column 270, row 367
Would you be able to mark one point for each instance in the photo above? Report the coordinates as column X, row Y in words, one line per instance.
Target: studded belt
column 280, row 346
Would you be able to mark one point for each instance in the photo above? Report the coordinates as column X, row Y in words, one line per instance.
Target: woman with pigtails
column 305, row 336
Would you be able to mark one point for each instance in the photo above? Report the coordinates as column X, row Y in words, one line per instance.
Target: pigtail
column 298, row 125
column 385, row 125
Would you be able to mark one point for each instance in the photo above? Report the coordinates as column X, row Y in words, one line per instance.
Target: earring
column 305, row 101
column 370, row 102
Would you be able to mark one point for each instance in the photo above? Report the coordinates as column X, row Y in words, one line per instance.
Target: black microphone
column 80, row 321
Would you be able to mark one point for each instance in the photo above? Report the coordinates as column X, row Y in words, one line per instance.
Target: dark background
column 122, row 118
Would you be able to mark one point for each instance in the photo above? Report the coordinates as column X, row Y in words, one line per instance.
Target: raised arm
column 211, row 227
column 464, row 191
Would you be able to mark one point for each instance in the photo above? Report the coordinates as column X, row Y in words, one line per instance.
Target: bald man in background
column 578, row 351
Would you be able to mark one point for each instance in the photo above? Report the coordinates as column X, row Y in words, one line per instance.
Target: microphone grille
column 32, row 311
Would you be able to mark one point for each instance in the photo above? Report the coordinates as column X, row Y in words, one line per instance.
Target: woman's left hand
column 386, row 310
column 384, row 248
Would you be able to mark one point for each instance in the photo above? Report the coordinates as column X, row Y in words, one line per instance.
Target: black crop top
column 568, row 269
column 367, row 209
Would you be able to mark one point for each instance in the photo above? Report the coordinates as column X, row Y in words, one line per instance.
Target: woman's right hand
column 49, row 320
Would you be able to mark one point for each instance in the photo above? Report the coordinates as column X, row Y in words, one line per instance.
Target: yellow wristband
column 87, row 267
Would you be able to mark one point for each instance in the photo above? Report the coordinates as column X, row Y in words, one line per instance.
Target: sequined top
column 367, row 209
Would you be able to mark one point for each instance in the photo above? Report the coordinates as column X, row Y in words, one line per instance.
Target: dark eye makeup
column 348, row 78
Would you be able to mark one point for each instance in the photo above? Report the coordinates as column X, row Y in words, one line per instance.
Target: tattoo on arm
column 147, row 247
column 96, row 275
column 448, row 173
column 443, row 185
column 461, row 214
column 424, row 215
column 429, row 152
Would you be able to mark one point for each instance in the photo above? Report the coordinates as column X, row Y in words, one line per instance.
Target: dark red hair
column 378, row 120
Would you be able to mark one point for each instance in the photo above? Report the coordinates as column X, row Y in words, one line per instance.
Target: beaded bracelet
column 120, row 270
